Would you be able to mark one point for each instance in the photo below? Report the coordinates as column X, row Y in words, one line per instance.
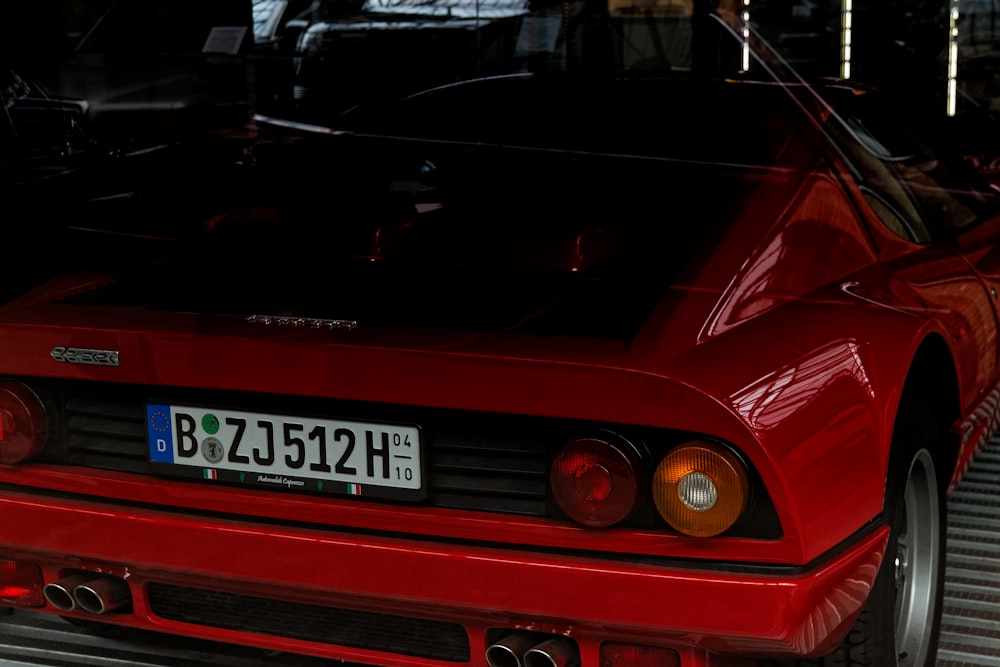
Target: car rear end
column 442, row 431
column 474, row 551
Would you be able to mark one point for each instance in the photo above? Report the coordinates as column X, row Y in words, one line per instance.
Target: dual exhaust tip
column 527, row 650
column 96, row 594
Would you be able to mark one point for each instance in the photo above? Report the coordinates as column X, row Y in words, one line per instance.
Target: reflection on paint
column 818, row 243
column 839, row 605
column 770, row 401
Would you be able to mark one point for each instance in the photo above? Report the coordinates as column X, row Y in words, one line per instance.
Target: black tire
column 901, row 620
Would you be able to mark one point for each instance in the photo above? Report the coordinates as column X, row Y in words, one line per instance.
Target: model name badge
column 299, row 322
column 79, row 355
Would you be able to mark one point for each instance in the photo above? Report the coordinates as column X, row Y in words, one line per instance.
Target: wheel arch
column 931, row 385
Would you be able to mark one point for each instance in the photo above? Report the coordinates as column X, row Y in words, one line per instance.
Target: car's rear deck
column 970, row 632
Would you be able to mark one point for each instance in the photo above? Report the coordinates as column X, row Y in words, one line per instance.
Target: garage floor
column 970, row 632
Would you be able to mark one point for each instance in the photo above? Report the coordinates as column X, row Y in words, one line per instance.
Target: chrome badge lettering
column 79, row 355
column 302, row 322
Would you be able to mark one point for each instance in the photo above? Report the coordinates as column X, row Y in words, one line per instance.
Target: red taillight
column 20, row 584
column 628, row 655
column 22, row 422
column 597, row 480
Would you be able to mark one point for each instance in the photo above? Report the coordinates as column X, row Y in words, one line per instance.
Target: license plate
column 289, row 452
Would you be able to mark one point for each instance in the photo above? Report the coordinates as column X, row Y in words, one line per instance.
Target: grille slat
column 487, row 485
column 445, row 462
column 92, row 442
column 104, row 408
column 510, row 505
column 107, row 428
column 489, row 446
column 106, row 462
column 422, row 638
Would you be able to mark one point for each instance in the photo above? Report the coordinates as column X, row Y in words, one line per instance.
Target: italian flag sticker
column 209, row 474
column 354, row 489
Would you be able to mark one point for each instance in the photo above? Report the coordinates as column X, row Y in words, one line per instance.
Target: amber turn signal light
column 701, row 488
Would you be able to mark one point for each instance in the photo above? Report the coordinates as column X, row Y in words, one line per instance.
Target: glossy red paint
column 588, row 597
column 788, row 339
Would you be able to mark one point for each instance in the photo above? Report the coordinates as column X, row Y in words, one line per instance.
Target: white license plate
column 295, row 453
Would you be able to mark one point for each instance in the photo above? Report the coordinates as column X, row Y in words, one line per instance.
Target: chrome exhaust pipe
column 509, row 651
column 103, row 595
column 60, row 593
column 556, row 652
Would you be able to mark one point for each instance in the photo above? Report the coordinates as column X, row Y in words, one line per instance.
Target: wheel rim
column 917, row 562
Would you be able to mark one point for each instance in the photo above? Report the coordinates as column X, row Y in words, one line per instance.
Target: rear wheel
column 901, row 620
column 912, row 574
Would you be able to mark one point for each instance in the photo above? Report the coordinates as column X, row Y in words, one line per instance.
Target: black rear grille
column 422, row 638
column 104, row 433
column 495, row 474
column 478, row 465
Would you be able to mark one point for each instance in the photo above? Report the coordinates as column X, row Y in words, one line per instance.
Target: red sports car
column 539, row 369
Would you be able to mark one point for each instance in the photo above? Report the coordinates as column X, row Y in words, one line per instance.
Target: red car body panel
column 615, row 600
column 791, row 341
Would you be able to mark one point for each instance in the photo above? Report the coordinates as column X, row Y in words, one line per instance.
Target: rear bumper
column 478, row 588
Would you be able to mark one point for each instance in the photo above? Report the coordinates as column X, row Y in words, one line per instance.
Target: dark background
column 901, row 46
